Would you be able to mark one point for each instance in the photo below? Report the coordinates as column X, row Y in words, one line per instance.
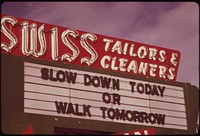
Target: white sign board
column 64, row 92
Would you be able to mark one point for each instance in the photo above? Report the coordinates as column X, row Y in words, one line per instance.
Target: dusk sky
column 173, row 25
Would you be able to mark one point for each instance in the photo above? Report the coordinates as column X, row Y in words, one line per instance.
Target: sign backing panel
column 81, row 94
column 35, row 39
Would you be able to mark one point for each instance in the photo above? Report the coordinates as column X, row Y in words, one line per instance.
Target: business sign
column 65, row 92
column 49, row 42
column 149, row 131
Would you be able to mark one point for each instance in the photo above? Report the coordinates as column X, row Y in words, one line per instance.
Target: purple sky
column 173, row 25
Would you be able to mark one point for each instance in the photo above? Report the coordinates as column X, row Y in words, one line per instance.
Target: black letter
column 160, row 119
column 45, row 73
column 115, row 84
column 116, row 98
column 96, row 78
column 161, row 90
column 86, row 110
column 144, row 116
column 70, row 109
column 60, row 107
column 51, row 76
column 136, row 116
column 138, row 88
column 103, row 111
column 71, row 77
column 108, row 100
column 152, row 118
column 111, row 113
column 86, row 82
column 147, row 89
column 132, row 86
column 105, row 82
column 62, row 78
column 129, row 118
column 77, row 112
column 155, row 91
column 120, row 114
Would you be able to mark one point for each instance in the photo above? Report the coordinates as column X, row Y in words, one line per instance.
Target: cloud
column 98, row 17
column 177, row 29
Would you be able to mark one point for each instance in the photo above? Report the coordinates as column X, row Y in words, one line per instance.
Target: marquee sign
column 65, row 92
column 49, row 42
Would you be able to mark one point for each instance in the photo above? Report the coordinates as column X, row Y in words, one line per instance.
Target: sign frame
column 88, row 97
